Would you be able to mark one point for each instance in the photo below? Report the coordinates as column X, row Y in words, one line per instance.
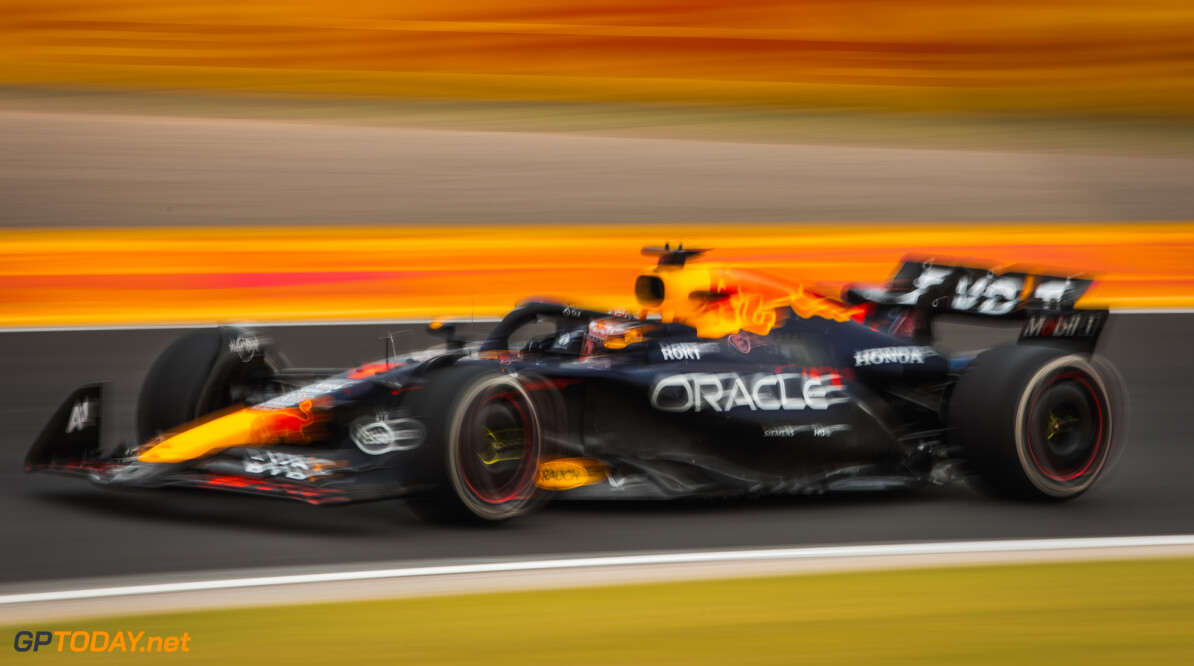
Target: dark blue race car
column 718, row 382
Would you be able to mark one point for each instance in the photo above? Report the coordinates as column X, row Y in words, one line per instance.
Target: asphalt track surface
column 59, row 528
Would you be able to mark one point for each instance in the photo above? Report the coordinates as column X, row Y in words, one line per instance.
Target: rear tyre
column 202, row 372
column 491, row 440
column 1036, row 422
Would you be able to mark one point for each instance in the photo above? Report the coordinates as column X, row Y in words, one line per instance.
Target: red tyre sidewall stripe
column 520, row 482
column 1099, row 409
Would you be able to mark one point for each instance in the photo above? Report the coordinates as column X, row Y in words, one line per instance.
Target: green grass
column 1074, row 613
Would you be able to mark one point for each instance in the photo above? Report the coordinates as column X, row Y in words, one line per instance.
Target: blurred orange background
column 993, row 56
column 1064, row 58
column 74, row 276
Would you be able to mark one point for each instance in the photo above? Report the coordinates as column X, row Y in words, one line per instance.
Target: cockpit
column 717, row 300
column 710, row 299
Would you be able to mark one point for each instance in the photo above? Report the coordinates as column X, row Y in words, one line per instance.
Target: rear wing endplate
column 1073, row 327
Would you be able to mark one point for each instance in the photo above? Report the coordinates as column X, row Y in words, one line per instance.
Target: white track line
column 828, row 552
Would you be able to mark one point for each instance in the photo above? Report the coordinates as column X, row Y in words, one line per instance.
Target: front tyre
column 491, row 440
column 1036, row 422
column 202, row 372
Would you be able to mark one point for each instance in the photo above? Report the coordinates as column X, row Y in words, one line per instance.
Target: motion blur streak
column 122, row 276
column 1052, row 56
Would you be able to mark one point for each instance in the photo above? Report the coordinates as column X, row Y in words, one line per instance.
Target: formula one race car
column 720, row 382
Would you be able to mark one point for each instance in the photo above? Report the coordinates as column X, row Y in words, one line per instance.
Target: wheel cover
column 496, row 447
column 1065, row 430
column 1066, row 427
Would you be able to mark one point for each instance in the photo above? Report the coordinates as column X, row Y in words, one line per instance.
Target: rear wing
column 922, row 290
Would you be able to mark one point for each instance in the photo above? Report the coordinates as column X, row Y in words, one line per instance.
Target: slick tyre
column 1036, row 422
column 202, row 372
column 490, row 441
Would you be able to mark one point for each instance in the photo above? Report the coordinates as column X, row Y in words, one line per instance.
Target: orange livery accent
column 370, row 369
column 244, row 427
column 718, row 301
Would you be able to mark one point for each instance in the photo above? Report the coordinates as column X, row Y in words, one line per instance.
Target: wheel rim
column 498, row 446
column 1066, row 428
